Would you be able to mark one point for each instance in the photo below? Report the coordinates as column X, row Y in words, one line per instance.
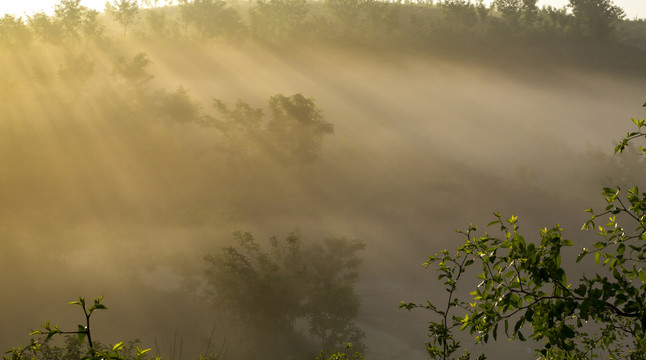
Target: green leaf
column 52, row 333
column 96, row 306
column 140, row 353
column 567, row 332
column 81, row 334
column 581, row 290
column 597, row 257
column 621, row 249
column 519, row 324
column 520, row 336
column 117, row 346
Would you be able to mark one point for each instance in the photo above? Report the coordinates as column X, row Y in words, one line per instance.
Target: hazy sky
column 633, row 7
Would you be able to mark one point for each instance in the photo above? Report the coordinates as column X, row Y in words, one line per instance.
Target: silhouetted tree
column 279, row 19
column 460, row 17
column 212, row 18
column 125, row 12
column 293, row 134
column 267, row 291
column 511, row 11
column 596, row 18
column 14, row 32
column 554, row 22
column 297, row 127
column 156, row 21
column 90, row 26
column 242, row 131
column 46, row 28
column 530, row 10
column 518, row 14
column 70, row 13
column 185, row 14
column 331, row 301
column 180, row 108
column 347, row 13
column 382, row 19
column 482, row 10
column 134, row 71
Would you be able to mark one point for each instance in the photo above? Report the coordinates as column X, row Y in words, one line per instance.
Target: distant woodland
column 460, row 25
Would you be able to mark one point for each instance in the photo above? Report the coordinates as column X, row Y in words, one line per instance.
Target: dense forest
column 452, row 24
column 263, row 180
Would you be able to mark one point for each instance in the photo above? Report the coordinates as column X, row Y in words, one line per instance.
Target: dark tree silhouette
column 125, row 12
column 596, row 18
column 268, row 289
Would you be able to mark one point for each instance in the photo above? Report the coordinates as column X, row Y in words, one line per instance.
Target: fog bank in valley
column 100, row 197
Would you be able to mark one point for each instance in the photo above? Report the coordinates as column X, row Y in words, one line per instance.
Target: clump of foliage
column 134, row 71
column 270, row 291
column 524, row 284
column 212, row 18
column 341, row 355
column 180, row 108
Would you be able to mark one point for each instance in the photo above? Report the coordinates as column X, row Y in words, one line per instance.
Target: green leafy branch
column 632, row 136
column 443, row 343
column 523, row 284
column 83, row 332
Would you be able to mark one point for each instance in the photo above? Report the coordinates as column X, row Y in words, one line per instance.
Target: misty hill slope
column 99, row 185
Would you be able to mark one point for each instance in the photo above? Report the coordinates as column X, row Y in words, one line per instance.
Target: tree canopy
column 124, row 11
column 596, row 18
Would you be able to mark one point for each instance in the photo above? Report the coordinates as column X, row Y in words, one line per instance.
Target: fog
column 100, row 195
